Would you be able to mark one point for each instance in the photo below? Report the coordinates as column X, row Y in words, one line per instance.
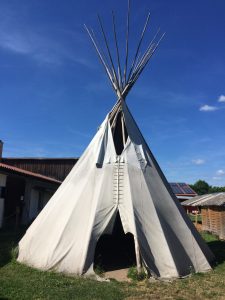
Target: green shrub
column 135, row 275
column 99, row 270
column 14, row 253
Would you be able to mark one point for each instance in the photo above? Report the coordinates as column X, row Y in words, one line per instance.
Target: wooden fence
column 213, row 220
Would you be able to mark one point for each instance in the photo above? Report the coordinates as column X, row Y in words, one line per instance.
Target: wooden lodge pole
column 137, row 253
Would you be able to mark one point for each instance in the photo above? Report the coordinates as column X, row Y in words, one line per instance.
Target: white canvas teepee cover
column 64, row 235
column 106, row 181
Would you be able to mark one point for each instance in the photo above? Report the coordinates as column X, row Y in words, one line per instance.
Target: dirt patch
column 198, row 226
column 119, row 275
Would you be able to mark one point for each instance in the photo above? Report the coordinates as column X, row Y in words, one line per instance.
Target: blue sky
column 54, row 93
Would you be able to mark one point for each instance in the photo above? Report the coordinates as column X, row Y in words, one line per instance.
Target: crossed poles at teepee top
column 122, row 82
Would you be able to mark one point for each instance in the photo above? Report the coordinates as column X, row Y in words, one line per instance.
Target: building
column 212, row 208
column 183, row 191
column 26, row 185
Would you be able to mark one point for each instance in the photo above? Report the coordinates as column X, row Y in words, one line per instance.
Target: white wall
column 38, row 199
column 34, row 199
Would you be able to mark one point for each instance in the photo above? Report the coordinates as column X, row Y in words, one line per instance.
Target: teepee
column 117, row 173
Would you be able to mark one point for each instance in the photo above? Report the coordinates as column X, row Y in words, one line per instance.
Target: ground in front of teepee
column 20, row 282
column 119, row 275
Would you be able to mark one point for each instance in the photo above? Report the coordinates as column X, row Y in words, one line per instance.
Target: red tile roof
column 28, row 173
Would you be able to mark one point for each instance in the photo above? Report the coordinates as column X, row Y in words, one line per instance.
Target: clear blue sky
column 54, row 93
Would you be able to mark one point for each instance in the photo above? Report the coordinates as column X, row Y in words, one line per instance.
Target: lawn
column 20, row 282
column 193, row 218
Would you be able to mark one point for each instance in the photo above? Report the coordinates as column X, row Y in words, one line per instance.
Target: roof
column 57, row 168
column 27, row 173
column 40, row 158
column 215, row 199
column 182, row 189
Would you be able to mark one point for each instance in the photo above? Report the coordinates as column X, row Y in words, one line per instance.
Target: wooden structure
column 212, row 209
column 57, row 168
column 213, row 220
column 23, row 194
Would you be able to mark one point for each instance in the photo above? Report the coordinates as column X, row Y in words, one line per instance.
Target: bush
column 14, row 253
column 135, row 275
column 99, row 270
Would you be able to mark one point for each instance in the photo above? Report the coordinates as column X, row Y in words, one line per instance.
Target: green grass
column 20, row 282
column 193, row 218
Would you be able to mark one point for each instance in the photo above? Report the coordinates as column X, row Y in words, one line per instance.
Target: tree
column 217, row 189
column 201, row 187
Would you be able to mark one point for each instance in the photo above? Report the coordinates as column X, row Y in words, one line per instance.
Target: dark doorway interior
column 115, row 251
column 15, row 188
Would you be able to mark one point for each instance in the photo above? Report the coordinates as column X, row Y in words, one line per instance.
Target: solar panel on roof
column 176, row 189
column 188, row 190
column 181, row 188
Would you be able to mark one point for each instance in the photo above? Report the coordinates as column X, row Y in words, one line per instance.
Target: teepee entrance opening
column 115, row 251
